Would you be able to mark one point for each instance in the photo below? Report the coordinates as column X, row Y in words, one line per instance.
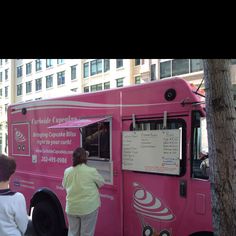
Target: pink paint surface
column 133, row 201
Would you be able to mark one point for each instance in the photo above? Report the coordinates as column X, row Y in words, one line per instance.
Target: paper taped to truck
column 157, row 151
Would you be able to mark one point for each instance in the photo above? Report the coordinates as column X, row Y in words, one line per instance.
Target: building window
column 93, row 88
column 0, row 76
column 38, row 65
column 153, row 72
column 60, row 61
column 180, row 66
column 165, row 69
column 73, row 72
column 38, row 84
column 107, row 85
column 137, row 62
column 137, row 79
column 106, row 65
column 28, row 68
column 28, row 86
column 19, row 71
column 119, row 82
column 96, row 67
column 49, row 81
column 6, row 106
column 6, row 74
column 119, row 63
column 96, row 87
column 196, row 65
column 61, row 78
column 74, row 89
column 99, row 87
column 86, row 69
column 0, row 62
column 86, row 89
column 0, row 92
column 6, row 91
column 19, row 90
column 6, row 60
column 48, row 63
column 0, row 141
column 6, row 143
column 233, row 61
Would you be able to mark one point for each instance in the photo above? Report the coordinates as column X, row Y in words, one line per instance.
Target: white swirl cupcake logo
column 148, row 206
column 20, row 138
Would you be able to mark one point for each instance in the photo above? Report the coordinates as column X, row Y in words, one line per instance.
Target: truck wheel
column 45, row 219
column 147, row 230
column 164, row 233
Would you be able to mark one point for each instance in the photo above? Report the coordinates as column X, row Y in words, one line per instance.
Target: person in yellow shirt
column 82, row 184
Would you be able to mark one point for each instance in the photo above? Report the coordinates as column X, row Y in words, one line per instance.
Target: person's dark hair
column 7, row 167
column 79, row 156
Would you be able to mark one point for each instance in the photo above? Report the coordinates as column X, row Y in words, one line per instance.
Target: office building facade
column 23, row 80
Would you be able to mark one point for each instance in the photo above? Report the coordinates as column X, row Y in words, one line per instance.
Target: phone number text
column 54, row 159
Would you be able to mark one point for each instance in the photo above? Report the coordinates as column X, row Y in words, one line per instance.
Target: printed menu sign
column 157, row 151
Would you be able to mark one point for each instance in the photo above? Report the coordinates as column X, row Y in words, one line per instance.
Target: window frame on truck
column 104, row 166
column 159, row 124
column 196, row 171
column 88, row 131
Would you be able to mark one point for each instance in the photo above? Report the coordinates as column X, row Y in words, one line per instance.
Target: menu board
column 155, row 151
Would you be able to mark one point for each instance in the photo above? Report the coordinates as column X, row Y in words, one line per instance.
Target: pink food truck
column 150, row 158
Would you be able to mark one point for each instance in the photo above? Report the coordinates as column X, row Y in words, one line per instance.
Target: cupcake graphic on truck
column 148, row 207
column 21, row 139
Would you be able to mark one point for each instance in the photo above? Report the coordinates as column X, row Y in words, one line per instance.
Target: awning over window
column 79, row 123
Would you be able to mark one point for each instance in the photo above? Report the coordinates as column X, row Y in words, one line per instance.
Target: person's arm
column 64, row 180
column 92, row 136
column 21, row 216
column 98, row 179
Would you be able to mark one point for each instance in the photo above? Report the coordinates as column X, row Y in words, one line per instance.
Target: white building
column 6, row 97
column 31, row 79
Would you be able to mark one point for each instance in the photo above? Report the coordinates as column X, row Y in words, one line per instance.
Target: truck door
column 154, row 203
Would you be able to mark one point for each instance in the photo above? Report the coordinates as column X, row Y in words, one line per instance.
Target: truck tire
column 164, row 233
column 46, row 220
column 147, row 230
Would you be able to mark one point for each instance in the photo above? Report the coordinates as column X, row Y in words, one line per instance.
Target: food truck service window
column 96, row 140
column 95, row 137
